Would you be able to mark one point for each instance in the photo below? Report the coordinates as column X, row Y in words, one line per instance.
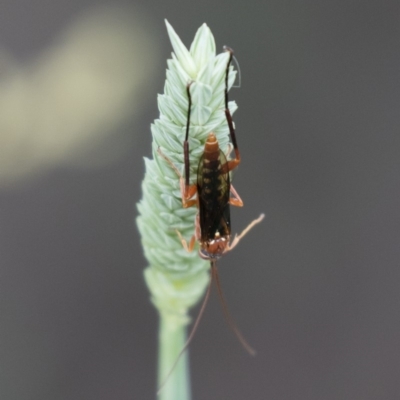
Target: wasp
column 212, row 194
column 213, row 188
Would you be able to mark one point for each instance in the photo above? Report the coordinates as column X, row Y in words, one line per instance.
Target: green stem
column 172, row 338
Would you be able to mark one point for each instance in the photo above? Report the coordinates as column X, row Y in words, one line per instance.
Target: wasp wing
column 213, row 189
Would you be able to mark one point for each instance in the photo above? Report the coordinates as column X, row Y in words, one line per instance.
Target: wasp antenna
column 227, row 112
column 227, row 314
column 189, row 339
column 239, row 73
column 228, row 49
column 186, row 142
column 189, row 109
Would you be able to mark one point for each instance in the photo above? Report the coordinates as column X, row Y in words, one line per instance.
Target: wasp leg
column 197, row 228
column 229, row 150
column 187, row 192
column 189, row 248
column 237, row 238
column 235, row 199
column 171, row 164
column 197, row 234
column 230, row 165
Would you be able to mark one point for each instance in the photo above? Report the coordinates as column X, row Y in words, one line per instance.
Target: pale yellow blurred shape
column 62, row 109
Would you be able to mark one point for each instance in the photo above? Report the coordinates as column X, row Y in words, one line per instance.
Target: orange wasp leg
column 230, row 165
column 237, row 238
column 235, row 199
column 187, row 192
column 189, row 248
column 197, row 234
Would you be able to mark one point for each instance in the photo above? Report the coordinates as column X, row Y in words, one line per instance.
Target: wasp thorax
column 214, row 248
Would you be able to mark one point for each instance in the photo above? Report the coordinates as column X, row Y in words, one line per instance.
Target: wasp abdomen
column 213, row 187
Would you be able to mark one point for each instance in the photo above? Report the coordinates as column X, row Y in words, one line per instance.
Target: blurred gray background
column 315, row 288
